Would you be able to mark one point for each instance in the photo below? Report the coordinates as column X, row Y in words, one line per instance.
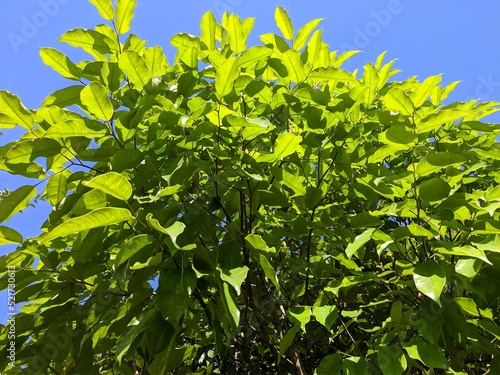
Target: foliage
column 250, row 210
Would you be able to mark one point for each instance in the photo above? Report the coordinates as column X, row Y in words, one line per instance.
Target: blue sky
column 459, row 39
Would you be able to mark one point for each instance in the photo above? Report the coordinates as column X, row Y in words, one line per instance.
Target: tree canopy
column 249, row 210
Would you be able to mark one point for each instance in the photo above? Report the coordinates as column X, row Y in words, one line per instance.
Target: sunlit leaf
column 294, row 66
column 112, row 183
column 105, row 8
column 436, row 161
column 77, row 128
column 284, row 22
column 65, row 97
column 124, row 15
column 439, row 119
column 208, row 26
column 396, row 100
column 429, row 355
column 359, row 242
column 11, row 106
column 430, row 279
column 9, row 236
column 304, row 32
column 286, row 144
column 134, row 66
column 57, row 188
column 91, row 41
column 226, row 75
column 60, row 63
column 94, row 219
column 95, row 98
column 16, row 201
column 235, row 277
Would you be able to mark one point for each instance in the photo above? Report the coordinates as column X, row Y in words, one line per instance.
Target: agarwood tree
column 250, row 210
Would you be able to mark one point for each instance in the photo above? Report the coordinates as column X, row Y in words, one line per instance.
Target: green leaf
column 299, row 316
column 468, row 306
column 235, row 277
column 230, row 306
column 435, row 121
column 431, row 356
column 208, row 26
column 28, row 150
column 314, row 48
column 65, row 97
column 235, row 33
column 330, row 365
column 184, row 41
column 291, row 60
column 301, row 39
column 172, row 231
column 359, row 242
column 284, row 23
column 90, row 41
column 226, row 75
column 11, row 106
column 326, row 315
column 466, row 250
column 112, row 183
column 126, row 159
column 124, row 15
column 331, row 74
column 436, row 161
column 16, row 201
column 111, row 76
column 156, row 61
column 430, row 279
column 153, row 261
column 398, row 135
column 175, row 287
column 396, row 100
column 6, row 122
column 9, row 236
column 133, row 329
column 135, row 67
column 94, row 219
column 90, row 201
column 60, row 63
column 412, row 230
column 286, row 144
column 424, row 90
column 131, row 247
column 433, row 190
column 253, row 55
column 57, row 188
column 95, row 98
column 392, row 360
column 256, row 242
column 239, row 122
column 287, row 340
column 105, row 8
column 77, row 128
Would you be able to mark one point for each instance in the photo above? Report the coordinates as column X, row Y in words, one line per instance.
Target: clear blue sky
column 459, row 39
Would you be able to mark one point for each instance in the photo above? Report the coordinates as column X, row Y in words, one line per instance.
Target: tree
column 250, row 210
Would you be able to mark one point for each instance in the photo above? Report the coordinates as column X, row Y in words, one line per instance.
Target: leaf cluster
column 250, row 209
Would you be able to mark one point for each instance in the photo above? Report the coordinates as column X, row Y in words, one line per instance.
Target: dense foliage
column 250, row 210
